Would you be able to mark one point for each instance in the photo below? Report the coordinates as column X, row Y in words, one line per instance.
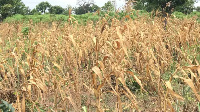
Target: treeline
column 12, row 7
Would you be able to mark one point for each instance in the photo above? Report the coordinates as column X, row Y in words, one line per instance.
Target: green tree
column 85, row 8
column 185, row 6
column 43, row 7
column 95, row 8
column 35, row 12
column 20, row 8
column 56, row 10
column 11, row 7
column 198, row 9
column 108, row 6
column 66, row 10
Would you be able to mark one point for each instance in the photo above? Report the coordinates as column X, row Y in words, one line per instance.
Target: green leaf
column 84, row 108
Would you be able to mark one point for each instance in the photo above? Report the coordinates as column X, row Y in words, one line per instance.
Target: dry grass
column 68, row 67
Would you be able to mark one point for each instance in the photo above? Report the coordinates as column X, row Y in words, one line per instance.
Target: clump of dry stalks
column 73, row 66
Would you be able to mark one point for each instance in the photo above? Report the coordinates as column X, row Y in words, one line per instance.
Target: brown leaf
column 97, row 71
column 23, row 103
column 170, row 105
column 38, row 83
column 190, row 83
column 137, row 80
column 170, row 89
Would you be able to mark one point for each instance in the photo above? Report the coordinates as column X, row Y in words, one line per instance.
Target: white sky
column 197, row 4
column 64, row 3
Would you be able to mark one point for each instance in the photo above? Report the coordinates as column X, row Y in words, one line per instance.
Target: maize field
column 108, row 66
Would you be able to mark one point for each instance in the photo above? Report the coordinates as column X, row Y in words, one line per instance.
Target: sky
column 64, row 3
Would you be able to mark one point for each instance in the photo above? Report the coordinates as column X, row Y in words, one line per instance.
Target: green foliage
column 84, row 109
column 20, row 8
column 66, row 10
column 43, row 6
column 198, row 106
column 108, row 6
column 179, row 15
column 82, row 19
column 184, row 6
column 6, row 10
column 34, row 12
column 11, row 7
column 6, row 107
column 132, row 84
column 85, row 8
column 198, row 9
column 25, row 30
column 195, row 13
column 89, row 16
column 56, row 10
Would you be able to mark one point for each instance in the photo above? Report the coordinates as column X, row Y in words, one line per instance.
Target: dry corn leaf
column 122, row 41
column 23, row 103
column 170, row 90
column 94, row 40
column 1, row 41
column 101, row 65
column 106, row 57
column 193, row 68
column 72, row 39
column 73, row 103
column 190, row 83
column 118, row 45
column 18, row 102
column 58, row 66
column 38, row 83
column 98, row 72
column 137, row 80
column 3, row 70
column 29, row 86
column 22, row 72
column 170, row 106
column 2, row 67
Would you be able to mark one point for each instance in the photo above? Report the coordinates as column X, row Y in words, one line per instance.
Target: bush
column 6, row 107
column 179, row 15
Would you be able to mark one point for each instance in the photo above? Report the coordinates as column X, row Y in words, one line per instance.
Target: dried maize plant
column 72, row 67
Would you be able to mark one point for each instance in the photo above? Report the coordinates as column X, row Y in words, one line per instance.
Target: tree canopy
column 11, row 7
column 43, row 7
column 185, row 6
column 85, row 8
column 198, row 9
column 108, row 6
column 56, row 10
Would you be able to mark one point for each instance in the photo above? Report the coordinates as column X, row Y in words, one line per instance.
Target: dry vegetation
column 76, row 67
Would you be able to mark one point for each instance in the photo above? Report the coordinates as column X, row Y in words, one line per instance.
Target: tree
column 108, row 6
column 86, row 6
column 43, row 7
column 66, row 10
column 185, row 6
column 56, row 10
column 95, row 8
column 11, row 7
column 198, row 9
column 83, row 9
column 20, row 8
column 35, row 12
